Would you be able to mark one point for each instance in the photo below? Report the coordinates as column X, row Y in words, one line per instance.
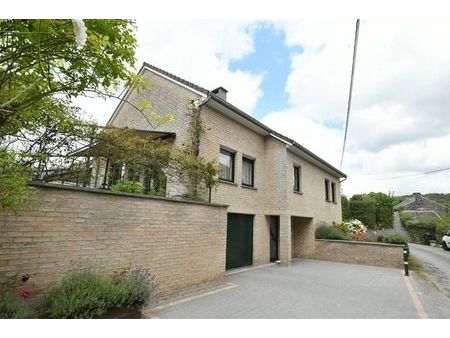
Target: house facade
column 277, row 190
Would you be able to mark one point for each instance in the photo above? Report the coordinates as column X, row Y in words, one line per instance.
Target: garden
column 86, row 294
column 355, row 230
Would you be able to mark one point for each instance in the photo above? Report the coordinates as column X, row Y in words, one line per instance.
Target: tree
column 346, row 215
column 41, row 58
column 43, row 65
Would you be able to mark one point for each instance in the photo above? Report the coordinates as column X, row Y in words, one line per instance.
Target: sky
column 294, row 76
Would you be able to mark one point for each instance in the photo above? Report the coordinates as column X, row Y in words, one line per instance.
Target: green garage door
column 239, row 240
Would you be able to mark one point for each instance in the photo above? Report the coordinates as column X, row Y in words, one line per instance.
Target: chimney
column 221, row 92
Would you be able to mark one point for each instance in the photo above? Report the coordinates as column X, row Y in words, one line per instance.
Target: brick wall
column 377, row 254
column 66, row 229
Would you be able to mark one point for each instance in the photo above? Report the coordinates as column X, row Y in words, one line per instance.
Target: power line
column 431, row 172
column 350, row 91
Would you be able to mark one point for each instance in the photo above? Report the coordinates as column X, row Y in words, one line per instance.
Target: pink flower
column 25, row 294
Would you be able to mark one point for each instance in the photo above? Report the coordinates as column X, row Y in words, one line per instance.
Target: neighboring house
column 420, row 203
column 277, row 190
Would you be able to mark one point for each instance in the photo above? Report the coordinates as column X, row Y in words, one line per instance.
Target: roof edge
column 275, row 133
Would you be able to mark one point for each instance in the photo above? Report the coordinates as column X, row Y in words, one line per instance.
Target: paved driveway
column 306, row 289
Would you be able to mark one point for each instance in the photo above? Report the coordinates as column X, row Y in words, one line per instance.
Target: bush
column 395, row 238
column 442, row 226
column 11, row 309
column 345, row 204
column 330, row 232
column 89, row 295
column 128, row 186
column 364, row 211
column 420, row 228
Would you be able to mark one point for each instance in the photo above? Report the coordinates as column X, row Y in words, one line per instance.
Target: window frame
column 297, row 176
column 327, row 190
column 252, row 162
column 233, row 159
column 333, row 192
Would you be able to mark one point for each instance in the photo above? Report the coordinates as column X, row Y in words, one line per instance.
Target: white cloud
column 198, row 51
column 400, row 120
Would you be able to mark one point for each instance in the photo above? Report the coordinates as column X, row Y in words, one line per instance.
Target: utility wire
column 350, row 91
column 431, row 172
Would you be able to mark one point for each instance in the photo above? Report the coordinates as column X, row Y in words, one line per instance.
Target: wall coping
column 360, row 242
column 124, row 194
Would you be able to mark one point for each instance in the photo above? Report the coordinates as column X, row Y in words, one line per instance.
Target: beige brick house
column 277, row 190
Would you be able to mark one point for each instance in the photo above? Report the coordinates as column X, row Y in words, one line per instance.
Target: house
column 277, row 190
column 420, row 203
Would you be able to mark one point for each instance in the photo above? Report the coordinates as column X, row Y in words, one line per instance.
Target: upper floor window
column 333, row 192
column 327, row 190
column 248, row 171
column 226, row 165
column 297, row 178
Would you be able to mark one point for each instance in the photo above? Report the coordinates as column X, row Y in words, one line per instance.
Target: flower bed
column 355, row 230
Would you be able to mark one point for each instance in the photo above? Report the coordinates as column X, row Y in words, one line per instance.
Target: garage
column 239, row 240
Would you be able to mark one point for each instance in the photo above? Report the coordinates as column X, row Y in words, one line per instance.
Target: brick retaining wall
column 377, row 254
column 65, row 229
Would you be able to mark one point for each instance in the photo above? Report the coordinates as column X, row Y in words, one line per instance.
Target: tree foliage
column 383, row 208
column 14, row 177
column 40, row 58
column 42, row 67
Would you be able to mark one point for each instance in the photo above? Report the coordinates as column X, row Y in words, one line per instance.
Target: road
column 436, row 263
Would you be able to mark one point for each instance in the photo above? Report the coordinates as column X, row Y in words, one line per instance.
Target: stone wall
column 377, row 254
column 67, row 229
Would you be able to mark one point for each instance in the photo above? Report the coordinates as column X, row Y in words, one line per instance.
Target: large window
column 333, row 192
column 226, row 165
column 248, row 171
column 297, row 178
column 327, row 190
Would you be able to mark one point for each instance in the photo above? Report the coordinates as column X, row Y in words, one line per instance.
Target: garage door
column 239, row 240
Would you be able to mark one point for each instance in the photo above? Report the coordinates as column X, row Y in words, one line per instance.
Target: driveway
column 305, row 289
column 436, row 263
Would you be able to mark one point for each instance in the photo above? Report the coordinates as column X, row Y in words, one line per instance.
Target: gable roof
column 413, row 198
column 212, row 97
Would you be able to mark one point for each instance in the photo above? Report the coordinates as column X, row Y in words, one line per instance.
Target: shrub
column 89, row 295
column 364, row 211
column 395, row 238
column 128, row 186
column 419, row 227
column 11, row 308
column 442, row 226
column 345, row 204
column 330, row 232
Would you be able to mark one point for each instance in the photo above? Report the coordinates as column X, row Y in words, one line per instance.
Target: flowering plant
column 355, row 228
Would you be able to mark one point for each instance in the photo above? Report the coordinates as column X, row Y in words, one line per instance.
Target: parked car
column 446, row 241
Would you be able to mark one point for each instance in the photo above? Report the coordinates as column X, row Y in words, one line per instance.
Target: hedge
column 364, row 211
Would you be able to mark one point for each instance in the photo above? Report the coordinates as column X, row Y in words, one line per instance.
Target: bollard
column 405, row 260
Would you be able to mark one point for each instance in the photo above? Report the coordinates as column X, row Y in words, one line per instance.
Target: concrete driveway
column 306, row 289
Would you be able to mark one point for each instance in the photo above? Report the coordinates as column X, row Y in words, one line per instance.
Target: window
column 226, row 165
column 333, row 192
column 297, row 178
column 248, row 171
column 327, row 190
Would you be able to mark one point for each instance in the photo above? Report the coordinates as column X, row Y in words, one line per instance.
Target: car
column 446, row 241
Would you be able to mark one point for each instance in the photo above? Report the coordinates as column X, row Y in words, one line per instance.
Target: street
column 436, row 263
